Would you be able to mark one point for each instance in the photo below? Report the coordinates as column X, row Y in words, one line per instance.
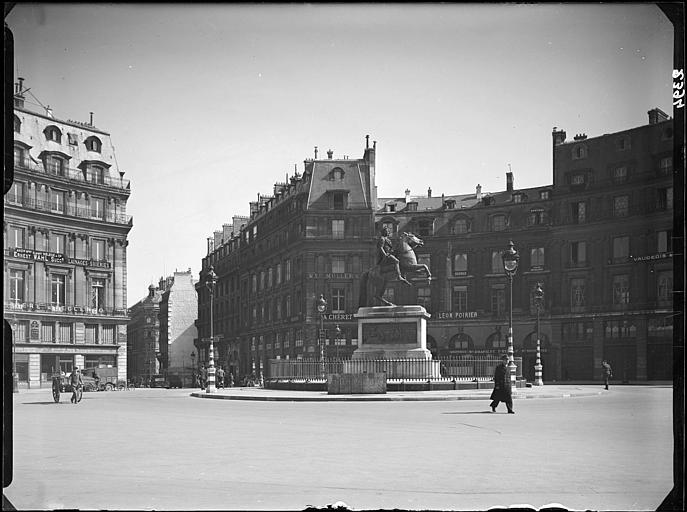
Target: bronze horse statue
column 373, row 283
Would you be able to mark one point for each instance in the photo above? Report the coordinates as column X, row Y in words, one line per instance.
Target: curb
column 385, row 398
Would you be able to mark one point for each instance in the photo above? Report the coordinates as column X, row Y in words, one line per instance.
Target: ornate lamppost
column 337, row 339
column 538, row 304
column 510, row 264
column 210, row 281
column 321, row 307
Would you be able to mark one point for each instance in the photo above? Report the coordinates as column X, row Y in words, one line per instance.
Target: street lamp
column 321, row 307
column 337, row 340
column 538, row 303
column 210, row 281
column 510, row 264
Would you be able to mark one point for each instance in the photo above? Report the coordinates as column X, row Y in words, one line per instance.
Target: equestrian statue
column 394, row 261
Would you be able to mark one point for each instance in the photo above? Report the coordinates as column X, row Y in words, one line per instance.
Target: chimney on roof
column 580, row 136
column 315, row 152
column 19, row 94
column 429, row 192
column 407, row 195
column 509, row 181
column 91, row 123
column 374, row 144
column 558, row 136
column 367, row 142
column 478, row 192
column 656, row 115
column 151, row 291
column 330, row 154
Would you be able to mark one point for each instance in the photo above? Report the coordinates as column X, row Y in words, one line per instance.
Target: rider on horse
column 385, row 258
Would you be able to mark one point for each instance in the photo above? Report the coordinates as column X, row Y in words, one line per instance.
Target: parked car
column 159, row 381
column 89, row 383
column 175, row 381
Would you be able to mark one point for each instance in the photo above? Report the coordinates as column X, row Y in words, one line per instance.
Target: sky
column 210, row 104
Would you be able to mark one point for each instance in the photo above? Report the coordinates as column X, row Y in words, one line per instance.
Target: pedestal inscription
column 388, row 334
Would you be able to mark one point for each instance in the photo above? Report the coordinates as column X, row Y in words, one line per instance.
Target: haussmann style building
column 65, row 236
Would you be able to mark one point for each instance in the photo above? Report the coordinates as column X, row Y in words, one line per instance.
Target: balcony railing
column 461, row 369
column 82, row 212
column 70, row 174
column 41, row 307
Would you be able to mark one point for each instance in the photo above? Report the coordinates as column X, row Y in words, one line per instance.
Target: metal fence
column 460, row 369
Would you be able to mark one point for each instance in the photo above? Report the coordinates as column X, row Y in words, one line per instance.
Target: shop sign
column 319, row 275
column 651, row 257
column 338, row 316
column 28, row 254
column 454, row 315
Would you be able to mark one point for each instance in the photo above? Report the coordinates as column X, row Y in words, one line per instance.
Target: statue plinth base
column 393, row 339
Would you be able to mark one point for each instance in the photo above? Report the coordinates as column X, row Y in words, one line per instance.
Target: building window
column 620, row 174
column 621, row 206
column 17, row 124
column 16, row 193
column 578, row 253
column 15, row 237
column 338, row 200
column 665, row 166
column 91, row 335
column 537, row 217
column 58, row 243
column 287, row 270
column 460, row 226
column 108, row 335
column 93, row 144
column 579, row 152
column 98, row 294
column 97, row 208
column 57, row 289
column 460, row 298
column 338, row 229
column 577, row 331
column 16, row 286
column 621, row 289
column 577, row 289
column 55, row 165
column 80, row 248
column 20, row 159
column 496, row 263
column 536, row 258
column 622, row 143
column 621, row 248
column 254, row 282
column 338, row 264
column 338, row 300
column 498, row 300
column 98, row 250
column 66, row 330
column 21, row 331
column 57, row 201
column 48, row 332
column 411, row 207
column 544, row 194
column 665, row 198
column 425, row 227
column 460, row 264
column 498, row 223
column 578, row 179
column 53, row 133
column 665, row 286
column 424, row 297
column 277, row 275
column 389, row 226
column 664, row 242
column 619, row 329
column 517, row 198
column 660, row 327
column 96, row 174
column 497, row 340
column 578, row 212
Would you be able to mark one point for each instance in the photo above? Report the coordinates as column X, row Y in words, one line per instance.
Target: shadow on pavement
column 468, row 412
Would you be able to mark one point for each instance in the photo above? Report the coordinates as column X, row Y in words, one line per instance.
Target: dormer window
column 544, row 194
column 579, row 152
column 338, row 174
column 55, row 165
column 390, row 207
column 412, row 207
column 96, row 174
column 17, row 124
column 450, row 204
column 517, row 197
column 93, row 144
column 53, row 133
column 339, row 200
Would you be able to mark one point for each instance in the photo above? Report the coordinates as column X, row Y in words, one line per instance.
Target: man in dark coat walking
column 608, row 372
column 502, row 386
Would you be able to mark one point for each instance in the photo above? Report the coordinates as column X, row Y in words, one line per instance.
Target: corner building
column 599, row 239
column 65, row 237
column 313, row 236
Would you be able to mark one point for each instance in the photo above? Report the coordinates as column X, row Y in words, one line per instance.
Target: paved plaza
column 578, row 446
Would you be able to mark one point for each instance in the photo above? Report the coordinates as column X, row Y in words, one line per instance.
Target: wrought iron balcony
column 71, row 174
column 82, row 212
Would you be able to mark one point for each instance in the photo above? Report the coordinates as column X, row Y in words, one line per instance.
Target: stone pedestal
column 393, row 339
